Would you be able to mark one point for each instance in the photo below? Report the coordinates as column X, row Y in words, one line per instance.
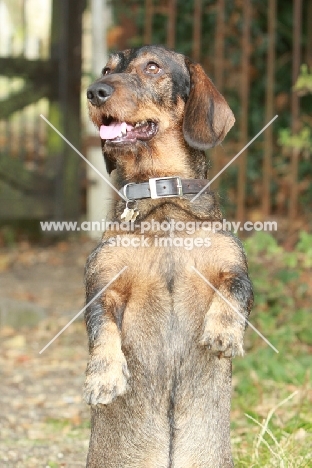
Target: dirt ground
column 43, row 420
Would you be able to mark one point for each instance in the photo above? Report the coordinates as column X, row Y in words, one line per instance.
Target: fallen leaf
column 15, row 342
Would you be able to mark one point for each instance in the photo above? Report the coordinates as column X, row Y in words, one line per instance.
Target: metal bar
column 296, row 56
column 219, row 45
column 241, row 188
column 148, row 25
column 309, row 35
column 218, row 76
column 171, row 25
column 269, row 110
column 197, row 26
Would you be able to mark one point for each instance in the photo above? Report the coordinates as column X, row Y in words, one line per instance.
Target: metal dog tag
column 129, row 214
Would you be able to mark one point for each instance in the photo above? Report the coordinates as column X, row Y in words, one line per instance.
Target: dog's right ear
column 207, row 116
column 110, row 165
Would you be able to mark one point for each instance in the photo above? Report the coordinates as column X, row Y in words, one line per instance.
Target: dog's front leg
column 225, row 320
column 107, row 371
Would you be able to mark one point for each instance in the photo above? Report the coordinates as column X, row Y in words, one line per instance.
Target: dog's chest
column 165, row 292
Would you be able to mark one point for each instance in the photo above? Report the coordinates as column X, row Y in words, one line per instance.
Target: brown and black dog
column 161, row 338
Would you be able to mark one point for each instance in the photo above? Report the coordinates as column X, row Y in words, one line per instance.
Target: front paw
column 106, row 380
column 226, row 341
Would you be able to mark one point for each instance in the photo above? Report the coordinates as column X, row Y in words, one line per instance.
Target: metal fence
column 226, row 48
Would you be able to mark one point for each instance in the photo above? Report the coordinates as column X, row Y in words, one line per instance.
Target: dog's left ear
column 207, row 116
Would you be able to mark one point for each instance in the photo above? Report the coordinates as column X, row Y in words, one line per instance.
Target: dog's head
column 153, row 101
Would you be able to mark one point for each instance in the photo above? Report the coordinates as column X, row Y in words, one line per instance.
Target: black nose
column 98, row 93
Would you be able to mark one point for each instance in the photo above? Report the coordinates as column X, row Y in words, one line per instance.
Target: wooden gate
column 40, row 73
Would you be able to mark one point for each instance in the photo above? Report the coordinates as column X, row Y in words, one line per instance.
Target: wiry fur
column 161, row 340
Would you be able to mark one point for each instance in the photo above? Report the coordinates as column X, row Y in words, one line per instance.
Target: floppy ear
column 110, row 165
column 207, row 116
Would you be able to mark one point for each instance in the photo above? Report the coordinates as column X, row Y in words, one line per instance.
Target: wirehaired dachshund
column 164, row 320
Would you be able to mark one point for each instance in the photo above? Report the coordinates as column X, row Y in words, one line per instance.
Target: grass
column 272, row 396
column 271, row 410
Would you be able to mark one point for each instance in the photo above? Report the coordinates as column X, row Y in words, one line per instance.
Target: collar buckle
column 153, row 187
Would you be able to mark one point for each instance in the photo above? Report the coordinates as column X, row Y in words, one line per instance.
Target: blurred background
column 259, row 55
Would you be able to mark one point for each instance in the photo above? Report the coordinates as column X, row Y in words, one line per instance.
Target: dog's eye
column 106, row 71
column 152, row 68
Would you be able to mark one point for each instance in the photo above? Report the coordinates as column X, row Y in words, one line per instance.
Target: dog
column 166, row 315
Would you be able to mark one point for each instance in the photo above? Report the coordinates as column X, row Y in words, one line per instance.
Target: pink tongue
column 113, row 130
